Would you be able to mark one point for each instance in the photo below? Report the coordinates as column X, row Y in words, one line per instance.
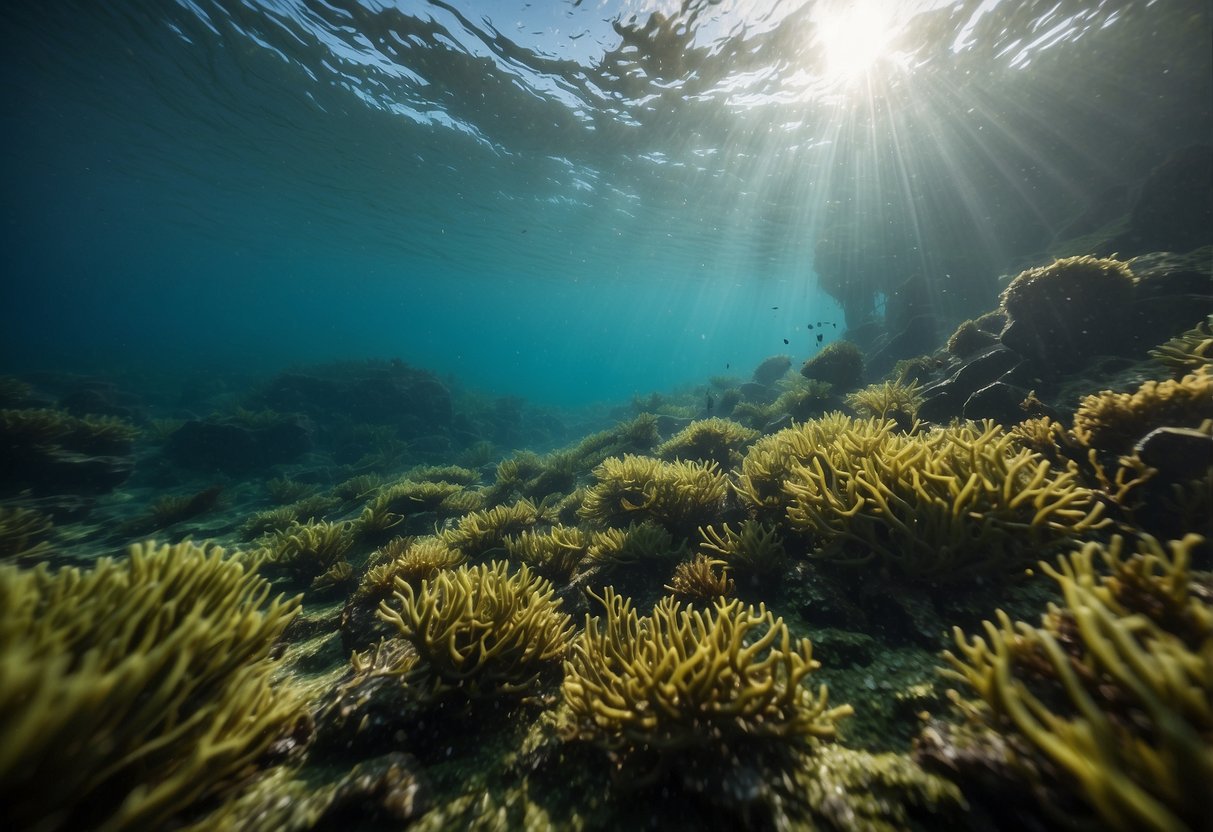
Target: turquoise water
column 571, row 202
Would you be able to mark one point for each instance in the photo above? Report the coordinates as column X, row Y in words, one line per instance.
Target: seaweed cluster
column 24, row 534
column 136, row 689
column 683, row 678
column 309, row 550
column 755, row 551
column 887, row 400
column 1188, row 351
column 411, row 560
column 555, row 553
column 1112, row 691
column 941, row 504
column 53, row 452
column 480, row 629
column 1114, row 421
column 483, row 532
column 679, row 496
column 840, row 364
column 529, row 476
column 638, row 543
column 718, row 441
column 799, row 399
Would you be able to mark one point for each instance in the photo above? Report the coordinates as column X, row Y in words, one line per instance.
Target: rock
column 1173, row 293
column 667, row 426
column 233, row 448
column 947, row 399
column 771, row 370
column 839, row 649
column 940, row 406
column 384, row 394
column 1179, row 454
column 840, row 365
column 918, row 335
column 968, row 340
column 1062, row 315
column 360, row 624
column 101, row 398
column 391, row 787
column 1173, row 210
column 757, row 393
column 999, row 401
column 50, row 470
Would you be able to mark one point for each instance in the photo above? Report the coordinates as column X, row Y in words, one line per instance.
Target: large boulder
column 1061, row 315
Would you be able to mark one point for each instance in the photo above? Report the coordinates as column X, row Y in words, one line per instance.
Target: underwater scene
column 606, row 415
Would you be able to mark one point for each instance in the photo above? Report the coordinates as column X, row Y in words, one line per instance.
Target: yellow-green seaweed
column 769, row 462
column 684, row 678
column 481, row 532
column 755, row 550
column 680, row 496
column 887, row 400
column 1111, row 421
column 309, row 549
column 1188, row 351
column 1114, row 688
column 709, row 440
column 555, row 554
column 480, row 629
column 700, row 579
column 135, row 689
column 23, row 534
column 638, row 543
column 940, row 505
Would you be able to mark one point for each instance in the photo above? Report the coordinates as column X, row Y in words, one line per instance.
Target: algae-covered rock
column 1061, row 315
column 840, row 365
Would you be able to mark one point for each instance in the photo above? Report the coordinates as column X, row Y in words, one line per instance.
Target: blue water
column 568, row 202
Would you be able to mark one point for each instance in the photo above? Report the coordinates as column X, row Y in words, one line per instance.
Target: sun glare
column 854, row 36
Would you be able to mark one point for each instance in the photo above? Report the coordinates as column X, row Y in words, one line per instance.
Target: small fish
column 834, row 325
column 785, row 340
column 774, row 307
column 726, row 366
column 810, row 326
column 819, row 337
column 524, row 231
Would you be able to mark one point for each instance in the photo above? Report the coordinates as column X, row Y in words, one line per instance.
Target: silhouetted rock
column 392, row 393
column 1177, row 453
column 1173, row 210
column 771, row 370
column 1173, row 293
column 59, row 471
column 947, row 398
column 999, row 401
column 233, row 448
column 918, row 335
